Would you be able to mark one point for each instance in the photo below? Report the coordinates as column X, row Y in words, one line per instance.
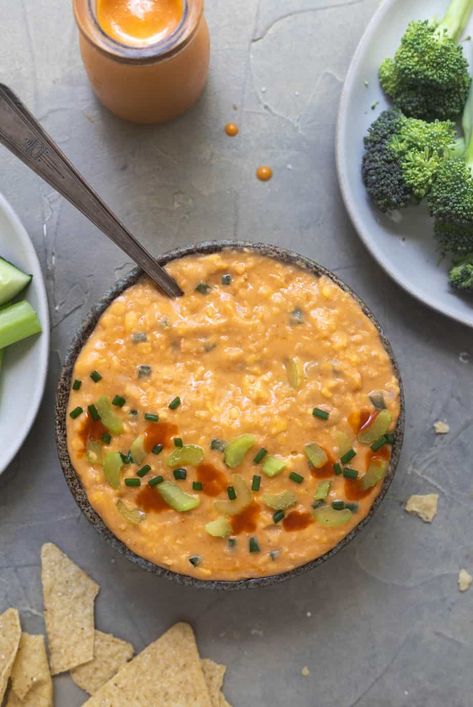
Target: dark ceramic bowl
column 64, row 387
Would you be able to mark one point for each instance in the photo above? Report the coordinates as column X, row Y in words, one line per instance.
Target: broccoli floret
column 454, row 238
column 460, row 276
column 428, row 77
column 402, row 156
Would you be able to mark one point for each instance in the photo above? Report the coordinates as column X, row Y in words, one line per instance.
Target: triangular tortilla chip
column 110, row 654
column 69, row 596
column 167, row 673
column 39, row 696
column 214, row 674
column 31, row 665
column 10, row 635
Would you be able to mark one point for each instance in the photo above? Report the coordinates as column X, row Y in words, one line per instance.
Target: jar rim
column 88, row 24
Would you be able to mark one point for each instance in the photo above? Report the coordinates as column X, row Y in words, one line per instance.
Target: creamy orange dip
column 259, row 409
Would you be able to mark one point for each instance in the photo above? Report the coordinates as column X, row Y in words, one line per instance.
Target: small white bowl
column 23, row 374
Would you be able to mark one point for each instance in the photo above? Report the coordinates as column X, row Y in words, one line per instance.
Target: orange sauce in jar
column 147, row 60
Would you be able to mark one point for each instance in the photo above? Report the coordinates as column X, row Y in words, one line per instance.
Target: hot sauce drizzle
column 297, row 520
column 149, row 499
column 92, row 430
column 247, row 520
column 213, row 480
column 159, row 433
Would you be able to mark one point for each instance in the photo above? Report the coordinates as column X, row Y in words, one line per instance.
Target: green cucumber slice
column 236, row 450
column 18, row 321
column 109, row 418
column 12, row 281
column 176, row 498
column 112, row 466
column 187, row 454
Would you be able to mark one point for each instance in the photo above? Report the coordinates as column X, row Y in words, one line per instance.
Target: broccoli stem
column 455, row 19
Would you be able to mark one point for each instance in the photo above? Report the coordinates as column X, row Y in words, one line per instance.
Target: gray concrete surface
column 383, row 623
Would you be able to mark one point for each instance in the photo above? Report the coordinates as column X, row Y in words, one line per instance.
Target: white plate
column 23, row 375
column 407, row 249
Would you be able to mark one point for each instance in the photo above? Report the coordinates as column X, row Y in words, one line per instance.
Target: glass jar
column 146, row 84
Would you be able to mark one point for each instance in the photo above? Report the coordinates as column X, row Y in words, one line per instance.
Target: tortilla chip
column 69, row 596
column 40, row 695
column 31, row 665
column 214, row 674
column 425, row 506
column 167, row 673
column 110, row 654
column 10, row 635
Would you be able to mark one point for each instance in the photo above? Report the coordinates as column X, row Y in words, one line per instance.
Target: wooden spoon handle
column 24, row 136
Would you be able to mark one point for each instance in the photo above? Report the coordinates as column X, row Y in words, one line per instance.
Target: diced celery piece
column 344, row 442
column 137, row 449
column 176, row 498
column 376, row 471
column 12, row 281
column 236, row 450
column 377, row 399
column 132, row 515
column 330, row 518
column 94, row 452
column 273, row 466
column 112, row 466
column 280, row 501
column 188, row 454
column 322, row 490
column 316, row 455
column 109, row 418
column 244, row 497
column 376, row 429
column 18, row 321
column 295, row 372
column 219, row 528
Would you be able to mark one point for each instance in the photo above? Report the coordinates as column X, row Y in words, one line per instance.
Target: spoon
column 24, row 136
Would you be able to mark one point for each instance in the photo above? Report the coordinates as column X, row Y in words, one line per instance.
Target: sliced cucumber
column 17, row 322
column 12, row 281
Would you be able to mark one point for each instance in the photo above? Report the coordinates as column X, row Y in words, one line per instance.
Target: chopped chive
column 178, row 442
column 253, row 545
column 379, row 443
column 218, row 445
column 256, row 483
column 77, row 384
column 197, row 485
column 321, row 414
column 226, row 279
column 76, row 412
column 353, row 507
column 278, row 516
column 259, row 456
column 203, row 288
column 119, row 401
column 94, row 413
column 126, row 458
column 96, row 377
column 151, row 417
column 180, row 474
column 297, row 478
column 338, row 505
column 144, row 371
column 132, row 482
column 274, row 554
column 348, row 456
column 158, row 448
column 138, row 337
column 231, row 542
column 390, row 437
column 133, row 412
column 350, row 473
column 231, row 493
column 337, row 469
column 155, row 481
column 318, row 503
column 174, row 403
column 195, row 560
column 106, row 438
column 144, row 470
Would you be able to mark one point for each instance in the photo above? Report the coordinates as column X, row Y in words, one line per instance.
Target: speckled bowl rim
column 64, row 387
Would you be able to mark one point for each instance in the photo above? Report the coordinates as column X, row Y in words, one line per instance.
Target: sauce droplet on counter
column 139, row 23
column 264, row 173
column 232, row 129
